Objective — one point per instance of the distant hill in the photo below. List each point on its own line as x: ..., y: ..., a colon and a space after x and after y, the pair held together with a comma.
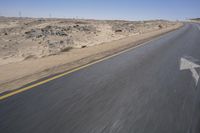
x: 198, y: 19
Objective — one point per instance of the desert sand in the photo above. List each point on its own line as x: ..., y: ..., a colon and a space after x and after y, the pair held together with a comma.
x: 31, y: 49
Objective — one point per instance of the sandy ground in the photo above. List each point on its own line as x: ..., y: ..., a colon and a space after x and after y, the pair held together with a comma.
x: 28, y: 60
x: 26, y: 38
x: 15, y: 75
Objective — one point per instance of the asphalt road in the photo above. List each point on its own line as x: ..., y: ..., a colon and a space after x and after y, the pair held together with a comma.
x: 140, y: 91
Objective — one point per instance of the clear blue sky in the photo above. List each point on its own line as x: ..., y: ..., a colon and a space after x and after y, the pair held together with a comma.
x: 103, y: 9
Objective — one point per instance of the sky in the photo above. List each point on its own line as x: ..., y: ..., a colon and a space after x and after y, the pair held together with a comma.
x: 102, y: 9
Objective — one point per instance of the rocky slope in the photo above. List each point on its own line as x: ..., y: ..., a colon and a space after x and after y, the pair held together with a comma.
x: 28, y: 38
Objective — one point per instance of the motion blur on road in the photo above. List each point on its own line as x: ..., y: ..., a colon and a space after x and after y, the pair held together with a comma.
x: 151, y: 88
x: 83, y: 75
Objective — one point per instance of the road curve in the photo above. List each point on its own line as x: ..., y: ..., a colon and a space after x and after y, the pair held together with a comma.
x: 140, y: 91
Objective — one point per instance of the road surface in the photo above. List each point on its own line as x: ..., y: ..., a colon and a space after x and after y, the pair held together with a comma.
x: 153, y: 88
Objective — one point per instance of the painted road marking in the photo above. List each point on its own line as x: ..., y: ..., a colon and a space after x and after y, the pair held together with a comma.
x: 74, y: 70
x: 188, y: 63
x: 198, y: 26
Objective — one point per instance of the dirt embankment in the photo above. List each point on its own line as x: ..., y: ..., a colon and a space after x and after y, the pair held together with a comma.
x: 23, y: 39
x: 31, y: 49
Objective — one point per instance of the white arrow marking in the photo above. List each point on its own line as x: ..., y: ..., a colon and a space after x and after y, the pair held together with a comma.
x: 188, y: 64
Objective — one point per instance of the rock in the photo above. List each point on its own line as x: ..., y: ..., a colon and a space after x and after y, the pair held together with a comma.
x: 61, y: 42
x: 50, y: 30
x: 75, y: 26
x: 83, y: 46
x: 38, y: 36
x: 66, y: 49
x: 61, y: 33
x: 118, y: 30
x: 85, y: 28
x: 160, y: 26
x: 34, y: 33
